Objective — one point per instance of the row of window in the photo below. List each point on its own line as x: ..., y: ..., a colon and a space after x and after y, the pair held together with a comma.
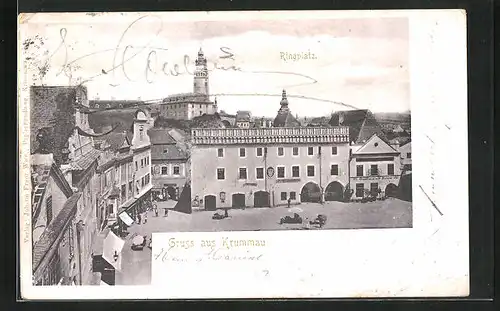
x: 144, y: 162
x: 176, y: 170
x: 126, y: 195
x: 260, y: 151
x: 281, y: 172
x: 360, y: 189
x: 374, y: 170
x: 175, y: 106
x: 293, y: 196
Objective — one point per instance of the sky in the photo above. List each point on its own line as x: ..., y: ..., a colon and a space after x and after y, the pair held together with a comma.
x: 355, y: 62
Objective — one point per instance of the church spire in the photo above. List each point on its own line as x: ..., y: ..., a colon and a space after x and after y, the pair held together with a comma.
x: 284, y: 101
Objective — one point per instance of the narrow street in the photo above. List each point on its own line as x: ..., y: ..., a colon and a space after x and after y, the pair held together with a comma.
x: 136, y: 265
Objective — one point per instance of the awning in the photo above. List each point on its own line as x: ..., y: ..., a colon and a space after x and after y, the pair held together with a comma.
x: 112, y: 249
x: 125, y: 217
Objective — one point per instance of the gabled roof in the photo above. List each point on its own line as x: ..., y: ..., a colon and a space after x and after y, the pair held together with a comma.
x: 160, y: 136
x: 116, y: 140
x: 83, y: 162
x: 167, y: 152
x: 362, y: 124
x: 375, y: 145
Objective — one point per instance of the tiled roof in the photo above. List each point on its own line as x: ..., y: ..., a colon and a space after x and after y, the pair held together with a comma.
x: 186, y: 97
x: 318, y: 121
x: 401, y: 141
x: 178, y: 134
x: 84, y: 161
x: 285, y: 119
x: 115, y: 140
x: 53, y: 232
x: 362, y: 124
x: 167, y: 152
x: 160, y: 136
x: 405, y: 143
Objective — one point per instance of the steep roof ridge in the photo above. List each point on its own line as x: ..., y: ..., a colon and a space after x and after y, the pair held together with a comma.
x: 361, y: 127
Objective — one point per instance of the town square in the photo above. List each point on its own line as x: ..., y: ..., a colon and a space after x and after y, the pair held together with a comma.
x: 107, y: 173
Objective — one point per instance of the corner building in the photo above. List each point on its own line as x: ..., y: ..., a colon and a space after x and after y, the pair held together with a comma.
x: 261, y: 167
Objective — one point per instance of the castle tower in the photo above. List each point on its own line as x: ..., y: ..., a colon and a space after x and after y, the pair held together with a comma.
x: 201, y: 75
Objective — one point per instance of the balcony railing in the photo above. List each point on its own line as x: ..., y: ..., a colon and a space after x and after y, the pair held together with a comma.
x: 205, y: 136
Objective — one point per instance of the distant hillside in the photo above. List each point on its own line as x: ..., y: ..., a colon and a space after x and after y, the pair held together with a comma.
x: 403, y: 117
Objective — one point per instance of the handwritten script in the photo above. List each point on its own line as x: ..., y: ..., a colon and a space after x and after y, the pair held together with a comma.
x: 189, y: 251
x: 154, y: 64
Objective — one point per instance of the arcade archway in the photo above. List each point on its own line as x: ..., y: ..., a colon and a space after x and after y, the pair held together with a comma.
x: 334, y: 191
x: 311, y: 192
x: 391, y: 190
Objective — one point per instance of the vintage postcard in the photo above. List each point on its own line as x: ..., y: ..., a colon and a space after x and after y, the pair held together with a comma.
x: 243, y: 155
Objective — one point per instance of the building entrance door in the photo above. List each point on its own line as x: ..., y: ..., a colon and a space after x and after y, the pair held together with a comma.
x: 238, y: 200
x: 210, y: 203
x: 171, y: 193
x: 261, y: 199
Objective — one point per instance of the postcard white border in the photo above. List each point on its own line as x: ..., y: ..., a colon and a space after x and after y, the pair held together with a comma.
x: 431, y: 259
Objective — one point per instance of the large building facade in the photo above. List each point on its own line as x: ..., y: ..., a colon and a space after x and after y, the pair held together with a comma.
x: 190, y: 105
x: 236, y: 168
x: 375, y: 169
x: 170, y: 164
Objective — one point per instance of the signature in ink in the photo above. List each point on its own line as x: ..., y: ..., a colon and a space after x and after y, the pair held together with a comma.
x: 124, y: 53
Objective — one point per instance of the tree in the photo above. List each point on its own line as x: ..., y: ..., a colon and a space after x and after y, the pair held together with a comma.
x: 348, y: 192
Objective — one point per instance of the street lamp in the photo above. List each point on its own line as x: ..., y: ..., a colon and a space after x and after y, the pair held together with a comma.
x: 115, y: 256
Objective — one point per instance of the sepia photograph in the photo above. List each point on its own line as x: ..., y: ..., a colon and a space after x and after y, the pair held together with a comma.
x: 141, y: 124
